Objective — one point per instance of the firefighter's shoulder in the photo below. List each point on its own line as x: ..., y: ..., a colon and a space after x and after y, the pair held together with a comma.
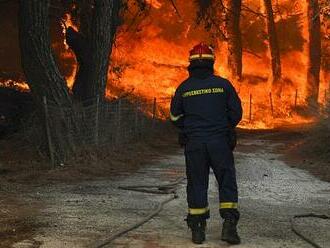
x: 224, y: 81
x: 225, y: 84
x: 221, y: 79
x: 183, y: 85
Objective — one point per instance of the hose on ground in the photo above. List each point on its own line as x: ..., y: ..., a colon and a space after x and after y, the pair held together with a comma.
x: 299, y: 234
x: 160, y: 189
x: 171, y: 189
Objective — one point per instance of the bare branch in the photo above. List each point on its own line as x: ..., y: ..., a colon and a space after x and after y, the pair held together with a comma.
x: 247, y: 9
x: 175, y: 8
x: 252, y: 53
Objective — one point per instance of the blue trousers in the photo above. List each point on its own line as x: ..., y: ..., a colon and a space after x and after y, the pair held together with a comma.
x: 200, y: 157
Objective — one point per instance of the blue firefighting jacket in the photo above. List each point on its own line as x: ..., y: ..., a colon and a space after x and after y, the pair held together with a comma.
x: 205, y: 108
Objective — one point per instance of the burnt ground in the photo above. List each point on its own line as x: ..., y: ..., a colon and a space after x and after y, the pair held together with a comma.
x: 75, y: 206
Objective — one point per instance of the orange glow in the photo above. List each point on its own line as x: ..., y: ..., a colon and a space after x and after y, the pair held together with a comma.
x: 153, y: 63
x: 68, y: 22
x: 154, y: 3
x: 20, y: 85
x: 150, y: 59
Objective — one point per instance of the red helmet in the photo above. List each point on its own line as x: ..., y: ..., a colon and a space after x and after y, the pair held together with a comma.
x: 202, y: 51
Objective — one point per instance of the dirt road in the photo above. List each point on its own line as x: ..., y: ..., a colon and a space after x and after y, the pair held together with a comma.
x: 271, y: 193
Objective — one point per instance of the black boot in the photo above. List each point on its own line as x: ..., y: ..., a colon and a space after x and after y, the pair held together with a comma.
x: 197, y: 227
x: 229, y: 232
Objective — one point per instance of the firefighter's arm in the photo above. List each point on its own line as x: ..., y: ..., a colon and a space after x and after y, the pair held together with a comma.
x: 234, y: 107
x: 176, y: 111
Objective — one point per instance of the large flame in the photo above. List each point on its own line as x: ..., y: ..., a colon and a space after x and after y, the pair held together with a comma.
x: 150, y: 57
x: 15, y: 84
x: 152, y: 61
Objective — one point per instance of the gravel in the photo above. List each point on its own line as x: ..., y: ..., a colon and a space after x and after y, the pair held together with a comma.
x: 77, y: 215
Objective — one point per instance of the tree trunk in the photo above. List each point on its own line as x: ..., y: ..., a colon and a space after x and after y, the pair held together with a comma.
x: 42, y: 74
x: 41, y: 71
x: 80, y: 46
x: 314, y: 53
x: 273, y: 45
x: 234, y: 38
x: 92, y: 47
x: 79, y: 43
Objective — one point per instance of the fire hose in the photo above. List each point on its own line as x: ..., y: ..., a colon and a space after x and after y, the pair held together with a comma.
x: 164, y: 189
x: 170, y: 188
x: 299, y: 234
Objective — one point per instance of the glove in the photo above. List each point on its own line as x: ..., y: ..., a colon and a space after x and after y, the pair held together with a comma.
x: 232, y: 138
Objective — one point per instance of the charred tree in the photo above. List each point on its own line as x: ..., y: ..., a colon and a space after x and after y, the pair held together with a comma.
x: 314, y: 53
x: 273, y: 44
x: 234, y: 38
x: 79, y: 45
x: 41, y: 71
x: 92, y: 46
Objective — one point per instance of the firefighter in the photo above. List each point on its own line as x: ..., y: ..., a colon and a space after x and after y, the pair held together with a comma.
x: 206, y: 109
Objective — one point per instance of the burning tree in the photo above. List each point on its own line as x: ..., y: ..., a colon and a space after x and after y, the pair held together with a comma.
x: 151, y: 49
x: 273, y: 43
x: 214, y: 14
x: 41, y: 71
x: 234, y: 38
x: 92, y: 47
x: 314, y: 53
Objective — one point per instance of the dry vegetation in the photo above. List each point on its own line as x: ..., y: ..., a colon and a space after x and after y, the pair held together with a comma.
x: 313, y: 151
x: 32, y: 166
x: 23, y: 165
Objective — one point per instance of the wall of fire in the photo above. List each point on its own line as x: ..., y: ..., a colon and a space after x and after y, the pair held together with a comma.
x: 151, y: 51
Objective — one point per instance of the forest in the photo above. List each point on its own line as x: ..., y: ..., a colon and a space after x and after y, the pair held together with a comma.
x: 73, y: 54
x: 75, y: 60
x: 88, y: 156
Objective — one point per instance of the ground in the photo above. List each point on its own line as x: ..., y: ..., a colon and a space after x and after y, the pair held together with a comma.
x: 83, y: 213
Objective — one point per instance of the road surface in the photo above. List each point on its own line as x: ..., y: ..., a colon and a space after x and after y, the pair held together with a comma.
x: 271, y: 192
